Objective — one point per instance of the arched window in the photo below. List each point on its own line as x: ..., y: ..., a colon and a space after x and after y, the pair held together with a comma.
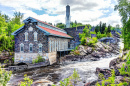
x: 26, y: 36
x: 40, y: 48
x: 21, y: 47
x: 35, y: 36
x: 31, y: 47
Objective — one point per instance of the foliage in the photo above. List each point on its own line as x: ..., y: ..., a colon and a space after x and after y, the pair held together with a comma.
x: 92, y: 42
x: 60, y: 25
x: 83, y: 41
x: 27, y: 81
x: 99, y: 35
x: 124, y: 8
x: 4, y: 77
x: 76, y: 48
x: 125, y: 69
x: 92, y: 32
x: 38, y: 59
x: 76, y: 52
x: 70, y: 81
x: 6, y: 43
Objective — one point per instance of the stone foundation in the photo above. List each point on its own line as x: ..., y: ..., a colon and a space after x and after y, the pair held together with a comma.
x: 52, y: 57
x: 28, y: 57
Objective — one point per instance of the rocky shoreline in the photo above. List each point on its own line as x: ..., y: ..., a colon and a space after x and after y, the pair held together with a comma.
x: 87, y: 53
x: 115, y: 65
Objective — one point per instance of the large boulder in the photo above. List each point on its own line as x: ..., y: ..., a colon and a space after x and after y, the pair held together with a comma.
x: 89, y: 50
x: 82, y: 50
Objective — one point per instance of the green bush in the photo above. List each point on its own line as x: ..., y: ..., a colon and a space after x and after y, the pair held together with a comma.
x: 83, y: 41
x: 76, y: 52
x: 99, y: 35
x: 4, y: 77
x: 6, y: 43
x: 38, y: 59
x: 27, y: 81
x: 92, y: 42
x: 71, y: 81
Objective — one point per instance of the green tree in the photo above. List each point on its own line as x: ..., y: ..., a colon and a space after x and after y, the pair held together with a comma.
x: 97, y: 29
x: 124, y: 10
x: 17, y: 18
x: 60, y: 25
x: 109, y: 28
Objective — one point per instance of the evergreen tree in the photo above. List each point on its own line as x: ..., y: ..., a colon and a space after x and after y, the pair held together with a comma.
x: 109, y: 28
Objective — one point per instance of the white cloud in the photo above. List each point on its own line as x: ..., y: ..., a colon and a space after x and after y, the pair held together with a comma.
x: 84, y: 11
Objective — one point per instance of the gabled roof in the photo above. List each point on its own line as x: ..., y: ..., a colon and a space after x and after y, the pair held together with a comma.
x: 37, y: 20
x: 48, y: 31
x: 53, y: 32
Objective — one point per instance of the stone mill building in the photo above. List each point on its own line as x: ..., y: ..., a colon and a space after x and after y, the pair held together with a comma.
x: 39, y: 38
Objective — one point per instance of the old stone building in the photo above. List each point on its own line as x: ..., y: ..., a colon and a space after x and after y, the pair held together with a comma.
x: 74, y: 32
x: 39, y: 38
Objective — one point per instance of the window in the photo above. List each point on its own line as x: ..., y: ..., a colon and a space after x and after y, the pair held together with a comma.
x: 31, y: 47
x: 30, y: 28
x: 26, y: 36
x: 21, y: 47
x: 35, y: 36
x: 40, y: 47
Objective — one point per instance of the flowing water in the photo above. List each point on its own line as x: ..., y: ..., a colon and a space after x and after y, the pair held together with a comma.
x: 86, y: 70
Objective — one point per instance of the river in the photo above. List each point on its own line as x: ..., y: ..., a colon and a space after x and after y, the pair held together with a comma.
x: 86, y: 70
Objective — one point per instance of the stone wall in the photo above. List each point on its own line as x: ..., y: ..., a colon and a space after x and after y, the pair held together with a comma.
x: 41, y: 38
x: 52, y: 57
x: 28, y: 57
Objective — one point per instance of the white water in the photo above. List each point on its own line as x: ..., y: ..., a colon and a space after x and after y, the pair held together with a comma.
x: 86, y: 70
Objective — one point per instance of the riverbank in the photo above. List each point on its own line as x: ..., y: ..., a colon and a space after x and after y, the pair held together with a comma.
x: 53, y: 74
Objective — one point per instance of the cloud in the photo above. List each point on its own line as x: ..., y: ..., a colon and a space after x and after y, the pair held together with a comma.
x: 84, y: 11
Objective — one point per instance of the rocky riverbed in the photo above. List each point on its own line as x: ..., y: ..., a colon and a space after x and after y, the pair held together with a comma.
x: 53, y: 74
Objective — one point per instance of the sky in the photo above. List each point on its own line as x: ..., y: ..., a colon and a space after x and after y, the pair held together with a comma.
x: 84, y: 11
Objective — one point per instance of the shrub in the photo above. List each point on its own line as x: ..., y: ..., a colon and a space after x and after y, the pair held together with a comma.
x: 71, y: 81
x: 38, y: 59
x: 27, y: 81
x: 83, y: 41
x: 6, y: 43
x: 76, y: 52
x: 4, y: 77
x: 92, y: 42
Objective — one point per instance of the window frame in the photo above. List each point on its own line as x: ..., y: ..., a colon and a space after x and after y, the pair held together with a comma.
x: 40, y: 45
x: 21, y: 45
x: 30, y: 46
x: 35, y: 36
x: 26, y: 35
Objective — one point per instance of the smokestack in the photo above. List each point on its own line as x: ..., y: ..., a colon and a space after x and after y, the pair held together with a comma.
x: 67, y: 16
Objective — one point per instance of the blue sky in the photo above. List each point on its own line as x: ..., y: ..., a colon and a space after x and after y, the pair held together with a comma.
x: 84, y: 11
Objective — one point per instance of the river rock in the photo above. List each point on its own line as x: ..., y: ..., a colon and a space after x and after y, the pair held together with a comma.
x: 118, y: 79
x: 105, y: 72
x: 89, y: 50
x: 96, y: 54
x: 42, y: 82
x: 112, y: 64
x: 82, y: 50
